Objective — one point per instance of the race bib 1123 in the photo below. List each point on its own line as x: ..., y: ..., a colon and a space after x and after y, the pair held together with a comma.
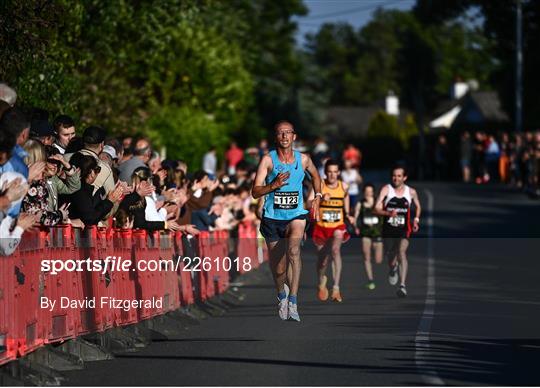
x: 285, y: 199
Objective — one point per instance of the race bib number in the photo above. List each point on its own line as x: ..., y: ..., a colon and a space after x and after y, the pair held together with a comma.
x: 397, y: 221
x: 371, y: 221
x: 331, y: 215
x: 285, y: 199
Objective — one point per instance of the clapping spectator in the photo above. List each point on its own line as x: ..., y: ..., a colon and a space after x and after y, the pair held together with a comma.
x: 15, y: 125
x: 86, y: 205
x: 41, y: 197
x: 94, y: 141
x: 141, y: 206
x: 13, y: 188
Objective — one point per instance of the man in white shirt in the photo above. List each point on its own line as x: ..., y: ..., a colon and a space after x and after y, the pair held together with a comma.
x: 210, y: 163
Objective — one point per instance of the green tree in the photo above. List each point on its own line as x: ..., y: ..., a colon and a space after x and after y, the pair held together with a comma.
x: 36, y: 58
x: 119, y: 63
x: 268, y: 44
x: 334, y: 49
x: 496, y: 20
x: 190, y: 133
x: 395, y: 51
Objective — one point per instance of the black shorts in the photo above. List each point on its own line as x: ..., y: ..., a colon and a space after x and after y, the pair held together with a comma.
x: 374, y: 239
x: 396, y: 233
x: 272, y: 230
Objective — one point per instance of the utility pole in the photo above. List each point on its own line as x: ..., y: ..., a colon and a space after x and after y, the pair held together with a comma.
x: 519, y: 68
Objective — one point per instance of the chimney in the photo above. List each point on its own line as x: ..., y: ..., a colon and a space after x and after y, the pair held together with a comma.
x: 459, y: 89
x: 392, y: 104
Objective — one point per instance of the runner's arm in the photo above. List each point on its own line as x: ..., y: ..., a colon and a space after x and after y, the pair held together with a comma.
x: 310, y: 198
x: 357, y: 210
x: 317, y: 186
x: 346, y: 201
x: 259, y: 189
x: 378, y: 210
x: 416, y: 201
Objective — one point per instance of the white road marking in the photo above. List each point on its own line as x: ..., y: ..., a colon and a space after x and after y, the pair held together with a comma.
x: 421, y: 340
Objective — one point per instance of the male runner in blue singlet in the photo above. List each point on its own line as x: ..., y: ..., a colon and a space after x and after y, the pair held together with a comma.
x: 279, y: 178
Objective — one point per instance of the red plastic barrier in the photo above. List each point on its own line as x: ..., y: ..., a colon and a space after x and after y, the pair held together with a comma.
x: 184, y: 276
x: 221, y: 253
x: 171, y: 294
x: 95, y: 285
x: 64, y: 321
x: 149, y: 283
x: 24, y: 325
x: 8, y: 336
x: 122, y: 246
x: 31, y: 321
x: 247, y: 245
x: 206, y: 283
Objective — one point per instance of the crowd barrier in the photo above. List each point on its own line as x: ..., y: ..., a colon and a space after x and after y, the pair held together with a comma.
x: 25, y: 325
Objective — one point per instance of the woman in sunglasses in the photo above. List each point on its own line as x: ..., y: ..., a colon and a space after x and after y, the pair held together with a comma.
x: 46, y: 184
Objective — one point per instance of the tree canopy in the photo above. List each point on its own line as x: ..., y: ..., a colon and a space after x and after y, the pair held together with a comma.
x: 231, y: 68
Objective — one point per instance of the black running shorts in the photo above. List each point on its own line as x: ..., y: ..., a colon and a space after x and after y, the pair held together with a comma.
x: 272, y: 230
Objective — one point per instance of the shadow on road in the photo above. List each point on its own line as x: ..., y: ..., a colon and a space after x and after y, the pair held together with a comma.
x: 471, y: 361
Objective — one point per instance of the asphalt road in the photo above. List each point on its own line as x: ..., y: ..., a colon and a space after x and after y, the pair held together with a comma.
x: 471, y: 317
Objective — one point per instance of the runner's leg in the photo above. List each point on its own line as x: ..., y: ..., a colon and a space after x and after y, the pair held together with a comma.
x: 322, y: 261
x: 337, y: 240
x: 366, y: 249
x: 403, y: 262
x: 295, y: 234
x: 391, y: 246
x: 278, y: 263
x: 322, y: 264
x: 378, y: 247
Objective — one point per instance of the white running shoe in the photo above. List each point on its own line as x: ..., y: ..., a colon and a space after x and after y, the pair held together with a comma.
x: 393, y: 275
x: 293, y: 312
x: 402, y: 291
x: 283, y: 306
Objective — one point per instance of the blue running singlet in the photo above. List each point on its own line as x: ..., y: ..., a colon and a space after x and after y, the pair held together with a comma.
x: 287, y: 202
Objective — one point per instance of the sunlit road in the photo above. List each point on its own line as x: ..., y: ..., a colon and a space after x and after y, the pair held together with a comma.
x: 471, y: 317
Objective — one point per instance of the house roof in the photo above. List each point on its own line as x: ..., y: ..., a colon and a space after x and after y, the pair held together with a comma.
x: 472, y: 109
x: 351, y: 120
x: 489, y: 105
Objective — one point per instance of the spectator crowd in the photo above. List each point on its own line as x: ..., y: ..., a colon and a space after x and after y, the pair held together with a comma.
x: 50, y: 175
x: 508, y: 158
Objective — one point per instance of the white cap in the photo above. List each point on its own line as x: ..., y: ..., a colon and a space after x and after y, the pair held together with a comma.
x: 110, y: 150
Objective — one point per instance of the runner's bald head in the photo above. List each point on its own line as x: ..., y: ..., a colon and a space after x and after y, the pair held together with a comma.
x: 283, y: 123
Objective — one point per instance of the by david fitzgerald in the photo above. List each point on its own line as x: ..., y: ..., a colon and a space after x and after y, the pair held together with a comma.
x: 103, y: 302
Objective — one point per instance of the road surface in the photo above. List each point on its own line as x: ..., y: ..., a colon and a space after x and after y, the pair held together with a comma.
x: 470, y: 318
